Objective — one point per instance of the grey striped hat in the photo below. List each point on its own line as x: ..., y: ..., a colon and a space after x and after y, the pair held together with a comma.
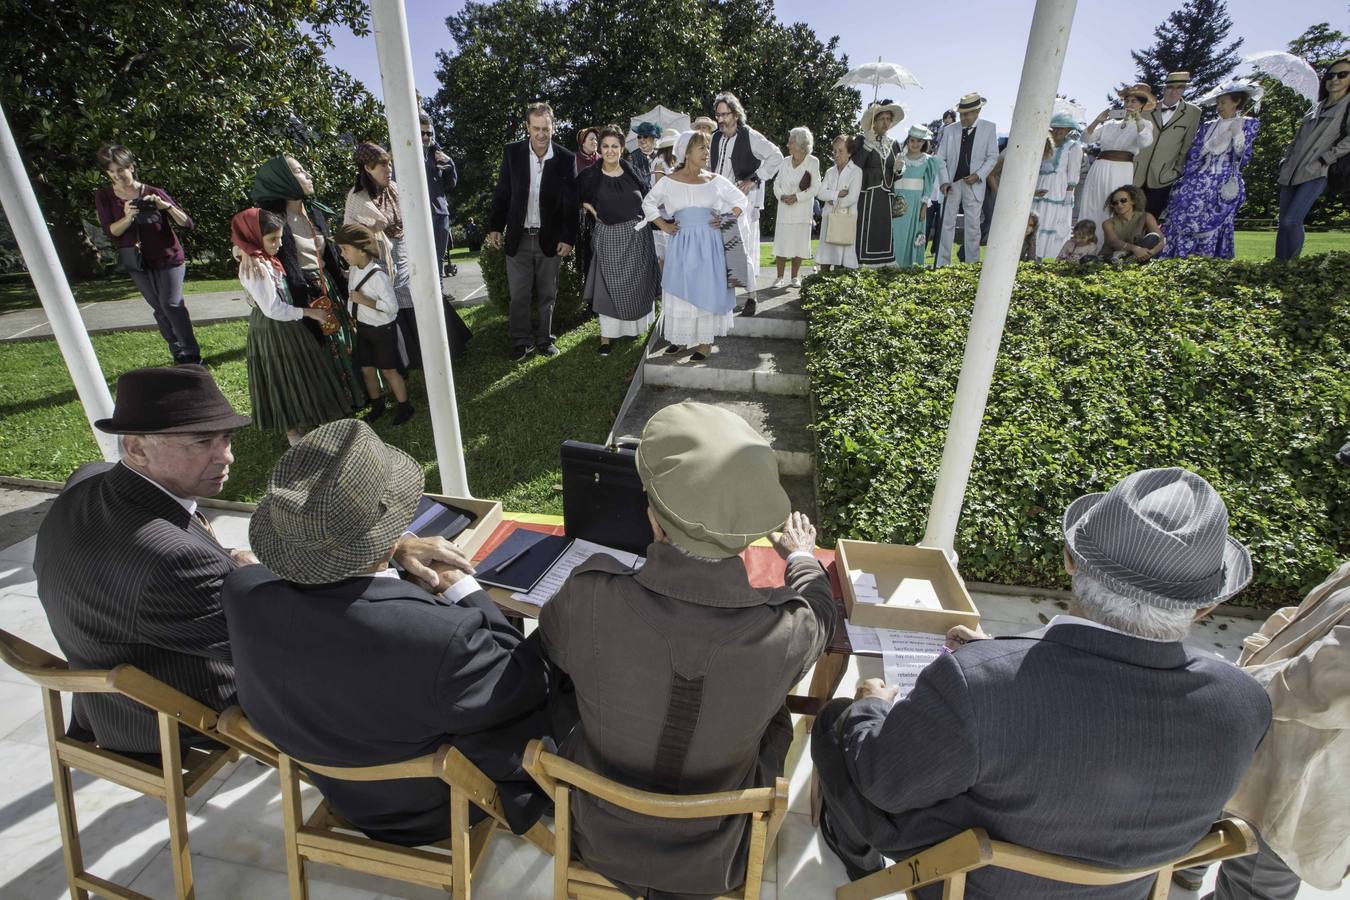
x: 1159, y: 536
x: 336, y: 503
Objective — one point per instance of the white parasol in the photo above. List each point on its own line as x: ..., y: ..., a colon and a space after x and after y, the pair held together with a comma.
x: 878, y: 73
x: 661, y: 116
x: 1292, y: 71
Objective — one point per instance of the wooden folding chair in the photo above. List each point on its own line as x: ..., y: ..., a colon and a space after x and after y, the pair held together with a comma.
x: 949, y: 862
x: 767, y: 808
x: 182, y: 773
x: 325, y: 837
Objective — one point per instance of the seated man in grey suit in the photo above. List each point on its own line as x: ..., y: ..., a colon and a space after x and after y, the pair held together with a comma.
x: 1101, y: 737
x: 342, y: 663
x: 128, y: 569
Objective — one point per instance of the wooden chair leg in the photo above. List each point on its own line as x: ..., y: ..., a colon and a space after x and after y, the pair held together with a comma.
x: 754, y: 870
x: 460, y: 857
x: 55, y: 718
x: 175, y: 804
x: 825, y: 679
x: 1162, y: 885
x: 293, y: 817
x: 562, y: 840
x: 955, y: 887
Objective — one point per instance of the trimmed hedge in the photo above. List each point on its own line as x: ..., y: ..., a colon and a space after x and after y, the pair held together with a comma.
x: 569, y: 310
x: 1239, y: 371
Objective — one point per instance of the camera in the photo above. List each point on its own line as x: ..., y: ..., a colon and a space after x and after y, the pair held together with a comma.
x: 146, y: 211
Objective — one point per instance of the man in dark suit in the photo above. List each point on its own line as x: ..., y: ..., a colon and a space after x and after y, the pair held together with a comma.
x: 129, y: 570
x: 1101, y: 737
x: 535, y: 203
x: 339, y: 665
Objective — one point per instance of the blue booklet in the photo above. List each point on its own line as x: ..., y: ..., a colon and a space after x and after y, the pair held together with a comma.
x: 521, y: 560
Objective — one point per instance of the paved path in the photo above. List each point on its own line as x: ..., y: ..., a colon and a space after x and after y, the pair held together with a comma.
x: 206, y: 308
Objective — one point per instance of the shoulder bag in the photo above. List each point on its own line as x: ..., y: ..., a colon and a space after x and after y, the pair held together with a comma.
x: 1338, y: 173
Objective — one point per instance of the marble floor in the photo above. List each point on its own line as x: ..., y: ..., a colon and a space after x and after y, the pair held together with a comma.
x: 235, y: 820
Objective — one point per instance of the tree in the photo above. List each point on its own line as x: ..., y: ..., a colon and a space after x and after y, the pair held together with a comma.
x: 1191, y: 39
x: 1281, y: 111
x: 202, y: 91
x: 600, y: 61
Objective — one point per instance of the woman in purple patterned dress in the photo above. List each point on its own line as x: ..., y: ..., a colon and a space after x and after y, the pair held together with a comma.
x: 1206, y: 198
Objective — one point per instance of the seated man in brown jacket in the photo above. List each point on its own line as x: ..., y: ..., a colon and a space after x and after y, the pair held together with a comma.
x: 681, y: 669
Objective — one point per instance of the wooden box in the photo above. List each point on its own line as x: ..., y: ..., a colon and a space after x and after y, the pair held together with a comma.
x: 489, y: 517
x: 903, y: 571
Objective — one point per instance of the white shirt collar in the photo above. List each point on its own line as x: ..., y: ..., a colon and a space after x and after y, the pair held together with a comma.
x: 1063, y: 619
x: 189, y: 504
x: 548, y: 154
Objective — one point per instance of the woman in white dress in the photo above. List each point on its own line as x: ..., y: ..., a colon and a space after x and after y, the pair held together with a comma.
x: 706, y: 252
x: 795, y: 186
x: 1056, y: 187
x: 839, y: 192
x: 1121, y: 133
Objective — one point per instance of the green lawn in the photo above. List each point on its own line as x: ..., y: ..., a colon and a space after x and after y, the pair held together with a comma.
x: 513, y: 417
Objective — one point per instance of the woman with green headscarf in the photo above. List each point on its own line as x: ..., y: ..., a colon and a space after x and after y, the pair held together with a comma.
x: 312, y: 265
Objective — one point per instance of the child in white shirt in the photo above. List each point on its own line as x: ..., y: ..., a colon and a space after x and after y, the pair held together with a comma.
x: 375, y: 309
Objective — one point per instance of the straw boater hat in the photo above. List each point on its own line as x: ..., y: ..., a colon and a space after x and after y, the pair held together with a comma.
x: 335, y: 505
x: 1160, y: 537
x: 668, y: 138
x: 711, y: 480
x: 1142, y: 91
x: 705, y: 122
x: 921, y: 132
x: 970, y: 101
x: 175, y: 400
x: 895, y: 109
x: 1177, y: 79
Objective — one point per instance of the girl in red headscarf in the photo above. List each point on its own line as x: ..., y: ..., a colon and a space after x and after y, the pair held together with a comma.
x: 291, y: 383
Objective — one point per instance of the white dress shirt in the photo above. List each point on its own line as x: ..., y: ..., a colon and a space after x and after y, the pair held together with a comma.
x: 188, y: 503
x: 453, y: 594
x: 532, y: 219
x: 377, y: 287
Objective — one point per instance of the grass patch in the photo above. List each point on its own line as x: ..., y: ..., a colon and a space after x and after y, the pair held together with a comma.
x: 512, y: 417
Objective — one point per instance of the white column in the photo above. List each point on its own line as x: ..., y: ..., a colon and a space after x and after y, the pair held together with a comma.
x: 39, y: 254
x: 1041, y: 69
x: 390, y: 23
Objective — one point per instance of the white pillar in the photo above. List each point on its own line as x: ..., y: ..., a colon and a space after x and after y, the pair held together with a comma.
x: 1041, y: 69
x: 390, y: 23
x: 39, y: 254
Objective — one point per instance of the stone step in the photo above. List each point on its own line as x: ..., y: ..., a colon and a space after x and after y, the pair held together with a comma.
x: 784, y: 422
x: 739, y: 364
x: 778, y: 315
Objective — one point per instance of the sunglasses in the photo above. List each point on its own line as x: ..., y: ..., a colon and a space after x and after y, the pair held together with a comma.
x: 427, y: 133
x: 1121, y: 201
x: 1342, y: 74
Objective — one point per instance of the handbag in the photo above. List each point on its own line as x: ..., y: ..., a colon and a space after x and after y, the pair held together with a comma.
x: 841, y: 226
x: 899, y: 206
x: 1338, y: 173
x: 603, y: 498
x: 130, y: 258
x: 1228, y: 191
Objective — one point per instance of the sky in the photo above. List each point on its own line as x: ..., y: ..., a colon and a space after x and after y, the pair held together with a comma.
x: 950, y: 52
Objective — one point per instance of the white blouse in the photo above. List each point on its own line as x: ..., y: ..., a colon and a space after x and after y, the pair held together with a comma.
x: 716, y: 193
x: 787, y: 183
x: 1122, y: 134
x: 850, y: 179
x: 265, y: 290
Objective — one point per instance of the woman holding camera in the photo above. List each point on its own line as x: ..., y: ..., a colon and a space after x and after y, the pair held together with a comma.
x: 1121, y: 133
x: 139, y: 218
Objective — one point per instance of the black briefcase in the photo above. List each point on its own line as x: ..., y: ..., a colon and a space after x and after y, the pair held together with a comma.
x: 603, y: 499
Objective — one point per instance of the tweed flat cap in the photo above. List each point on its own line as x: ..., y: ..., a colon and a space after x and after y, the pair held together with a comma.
x: 336, y: 503
x: 1159, y: 536
x: 711, y: 480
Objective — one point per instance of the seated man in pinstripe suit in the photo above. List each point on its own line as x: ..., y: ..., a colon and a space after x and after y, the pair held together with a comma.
x: 128, y: 569
x: 1101, y: 737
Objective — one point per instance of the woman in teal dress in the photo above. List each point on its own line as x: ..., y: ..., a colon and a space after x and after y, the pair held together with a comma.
x: 922, y: 172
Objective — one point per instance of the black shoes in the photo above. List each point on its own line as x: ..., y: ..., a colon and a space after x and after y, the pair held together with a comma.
x: 605, y: 348
x: 548, y: 349
x: 749, y: 309
x: 697, y: 357
x: 403, y: 412
x: 673, y: 349
x: 376, y: 409
x: 519, y: 353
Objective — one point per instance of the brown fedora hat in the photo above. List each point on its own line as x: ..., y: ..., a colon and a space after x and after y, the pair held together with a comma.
x: 168, y: 400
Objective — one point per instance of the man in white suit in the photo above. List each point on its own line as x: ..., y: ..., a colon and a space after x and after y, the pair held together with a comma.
x: 969, y: 149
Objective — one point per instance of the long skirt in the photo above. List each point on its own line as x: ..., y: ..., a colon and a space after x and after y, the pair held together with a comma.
x: 792, y: 240
x: 623, y: 279
x: 341, y: 344
x: 1055, y: 215
x: 291, y: 382
x: 1199, y: 221
x: 698, y: 295
x: 907, y: 232
x: 874, y: 228
x: 1104, y: 177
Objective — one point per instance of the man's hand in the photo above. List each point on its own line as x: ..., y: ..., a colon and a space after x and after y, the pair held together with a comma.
x: 947, y: 186
x: 434, y: 563
x: 875, y: 687
x: 564, y: 250
x: 798, y: 534
x: 972, y: 178
x: 746, y: 186
x: 960, y: 635
x: 442, y: 158
x: 243, y: 557
x: 494, y: 239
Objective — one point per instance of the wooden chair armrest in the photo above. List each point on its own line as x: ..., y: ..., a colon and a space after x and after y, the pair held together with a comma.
x: 1228, y: 838
x: 428, y: 766
x: 533, y: 764
x: 961, y: 853
x: 151, y: 692
x: 234, y: 729
x: 28, y: 659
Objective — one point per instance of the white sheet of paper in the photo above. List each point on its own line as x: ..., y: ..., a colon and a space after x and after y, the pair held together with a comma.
x: 864, y: 640
x: 578, y: 553
x: 904, y: 654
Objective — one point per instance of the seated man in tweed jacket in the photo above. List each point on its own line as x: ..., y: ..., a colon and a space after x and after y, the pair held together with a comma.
x: 128, y: 569
x: 1101, y: 737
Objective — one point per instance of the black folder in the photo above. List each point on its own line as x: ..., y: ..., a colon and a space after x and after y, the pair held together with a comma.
x: 521, y: 560
x: 438, y: 518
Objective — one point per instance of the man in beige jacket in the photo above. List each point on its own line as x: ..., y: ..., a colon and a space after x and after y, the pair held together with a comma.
x: 1175, y: 122
x: 1296, y: 793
